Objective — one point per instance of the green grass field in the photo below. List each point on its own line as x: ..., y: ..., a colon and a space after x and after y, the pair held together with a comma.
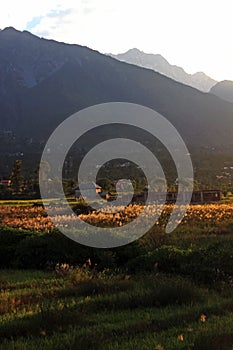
x: 84, y: 310
x: 31, y: 202
x: 163, y: 292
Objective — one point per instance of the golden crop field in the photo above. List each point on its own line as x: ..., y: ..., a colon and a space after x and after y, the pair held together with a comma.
x: 36, y: 218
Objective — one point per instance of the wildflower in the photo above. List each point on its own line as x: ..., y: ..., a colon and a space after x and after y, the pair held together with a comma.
x: 127, y: 277
x: 181, y: 337
x: 203, y: 318
x: 159, y: 347
x: 88, y: 262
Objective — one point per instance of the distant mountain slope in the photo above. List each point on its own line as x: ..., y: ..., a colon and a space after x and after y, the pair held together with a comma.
x: 43, y: 81
x: 223, y: 89
x: 158, y: 63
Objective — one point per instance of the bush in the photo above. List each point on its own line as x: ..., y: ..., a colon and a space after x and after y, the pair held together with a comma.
x: 9, y: 239
x: 206, y: 265
x: 23, y: 249
x: 82, y: 208
x: 166, y: 258
x: 37, y: 250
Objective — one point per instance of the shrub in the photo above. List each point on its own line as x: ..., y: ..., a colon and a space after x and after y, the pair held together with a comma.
x: 37, y: 250
x: 82, y: 208
x: 206, y: 265
x: 9, y: 239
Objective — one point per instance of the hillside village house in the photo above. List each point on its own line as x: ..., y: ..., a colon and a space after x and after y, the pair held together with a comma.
x: 88, y: 188
x: 5, y: 183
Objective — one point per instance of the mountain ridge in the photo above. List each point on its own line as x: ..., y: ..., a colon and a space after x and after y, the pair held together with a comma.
x: 158, y: 63
x: 42, y: 82
x: 224, y: 90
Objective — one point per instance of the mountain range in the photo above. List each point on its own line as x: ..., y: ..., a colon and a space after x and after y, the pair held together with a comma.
x: 223, y: 89
x: 42, y: 82
x: 159, y: 64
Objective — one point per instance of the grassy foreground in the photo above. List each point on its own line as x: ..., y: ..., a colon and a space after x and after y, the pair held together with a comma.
x: 84, y: 309
x: 162, y: 292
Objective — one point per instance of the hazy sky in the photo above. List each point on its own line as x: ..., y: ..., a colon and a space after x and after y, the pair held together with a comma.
x: 195, y: 34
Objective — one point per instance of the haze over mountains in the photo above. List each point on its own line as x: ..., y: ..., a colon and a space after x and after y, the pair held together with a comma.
x: 223, y: 89
x: 42, y: 82
x: 159, y: 64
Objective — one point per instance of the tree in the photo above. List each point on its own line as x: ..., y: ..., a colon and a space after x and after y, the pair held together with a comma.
x: 69, y: 186
x: 44, y: 176
x: 105, y: 183
x: 35, y: 180
x: 158, y: 184
x: 17, y: 180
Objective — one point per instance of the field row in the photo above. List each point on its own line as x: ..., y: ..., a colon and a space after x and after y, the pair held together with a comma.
x: 36, y: 218
x: 83, y: 310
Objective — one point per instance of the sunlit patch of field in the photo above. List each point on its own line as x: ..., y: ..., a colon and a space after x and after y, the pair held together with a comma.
x: 165, y: 292
x: 35, y: 217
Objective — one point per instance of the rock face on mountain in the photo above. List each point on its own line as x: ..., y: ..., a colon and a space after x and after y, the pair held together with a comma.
x: 159, y: 64
x: 42, y: 82
x: 224, y: 90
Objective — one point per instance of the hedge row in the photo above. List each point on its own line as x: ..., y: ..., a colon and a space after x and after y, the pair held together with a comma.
x: 206, y: 265
x: 21, y: 249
